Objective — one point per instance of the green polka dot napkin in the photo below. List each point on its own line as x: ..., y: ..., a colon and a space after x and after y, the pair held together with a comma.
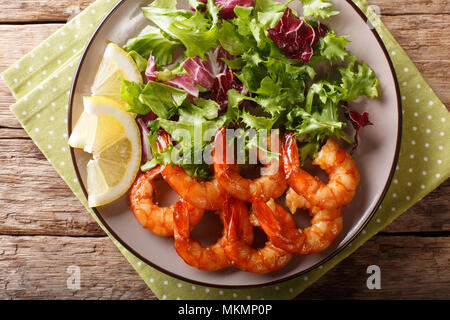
x: 41, y: 82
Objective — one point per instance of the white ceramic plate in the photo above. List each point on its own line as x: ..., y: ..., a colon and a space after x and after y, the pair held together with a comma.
x: 376, y: 156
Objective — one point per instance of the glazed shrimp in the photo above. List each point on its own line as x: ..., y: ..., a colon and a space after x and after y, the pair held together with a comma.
x: 159, y: 220
x: 211, y: 258
x: 338, y: 163
x: 326, y: 225
x: 207, y: 195
x: 264, y: 260
x: 271, y: 184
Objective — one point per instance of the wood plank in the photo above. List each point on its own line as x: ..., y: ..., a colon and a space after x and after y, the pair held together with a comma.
x: 431, y: 214
x: 41, y: 10
x: 17, y: 41
x: 62, y: 10
x: 423, y: 37
x: 411, y: 7
x: 7, y: 133
x: 411, y: 268
x: 36, y: 268
x: 36, y: 201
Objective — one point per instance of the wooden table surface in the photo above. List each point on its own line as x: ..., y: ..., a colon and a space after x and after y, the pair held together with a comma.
x: 44, y: 229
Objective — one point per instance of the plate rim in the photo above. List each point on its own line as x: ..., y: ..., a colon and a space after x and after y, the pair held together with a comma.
x: 271, y: 282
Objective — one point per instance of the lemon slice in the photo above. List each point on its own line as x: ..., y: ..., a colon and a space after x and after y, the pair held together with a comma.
x: 107, y: 132
x: 116, y: 64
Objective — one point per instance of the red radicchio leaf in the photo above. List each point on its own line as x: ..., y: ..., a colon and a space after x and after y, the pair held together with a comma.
x: 150, y: 72
x: 214, y: 75
x: 222, y: 84
x: 146, y: 148
x: 204, y: 72
x: 150, y: 117
x: 358, y: 121
x: 227, y: 11
x: 200, y: 7
x: 182, y: 81
x: 186, y: 83
x: 320, y: 30
x: 295, y: 36
x: 198, y: 70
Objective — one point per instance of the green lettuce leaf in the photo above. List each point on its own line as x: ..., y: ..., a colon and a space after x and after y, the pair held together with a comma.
x: 230, y: 39
x: 326, y: 93
x: 234, y: 64
x: 256, y: 122
x: 269, y: 12
x: 141, y: 62
x: 199, y: 171
x: 190, y: 138
x: 318, y: 119
x: 195, y: 34
x: 242, y: 20
x: 164, y: 12
x: 249, y: 27
x: 268, y: 87
x: 193, y: 133
x: 199, y: 112
x: 162, y: 99
x: 213, y: 11
x: 129, y: 93
x: 270, y: 6
x: 151, y: 40
x: 333, y: 47
x: 270, y: 105
x: 313, y: 124
x: 318, y: 9
x: 309, y: 150
x: 358, y: 80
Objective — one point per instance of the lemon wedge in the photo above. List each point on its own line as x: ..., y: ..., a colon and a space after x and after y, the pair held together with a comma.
x: 116, y: 64
x: 112, y: 137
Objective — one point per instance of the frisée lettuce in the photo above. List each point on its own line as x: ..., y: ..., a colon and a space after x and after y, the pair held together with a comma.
x: 250, y: 64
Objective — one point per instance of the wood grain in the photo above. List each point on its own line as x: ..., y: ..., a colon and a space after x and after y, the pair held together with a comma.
x: 36, y: 268
x: 41, y: 10
x: 411, y: 268
x: 17, y: 40
x: 411, y: 7
x: 35, y: 200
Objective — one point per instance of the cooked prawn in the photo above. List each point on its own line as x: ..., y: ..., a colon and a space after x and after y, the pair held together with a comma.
x: 158, y: 220
x: 338, y: 163
x: 207, y: 195
x: 326, y: 225
x: 263, y: 260
x: 192, y: 252
x: 271, y: 184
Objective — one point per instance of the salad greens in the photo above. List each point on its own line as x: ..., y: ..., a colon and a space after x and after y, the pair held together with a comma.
x: 250, y: 64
